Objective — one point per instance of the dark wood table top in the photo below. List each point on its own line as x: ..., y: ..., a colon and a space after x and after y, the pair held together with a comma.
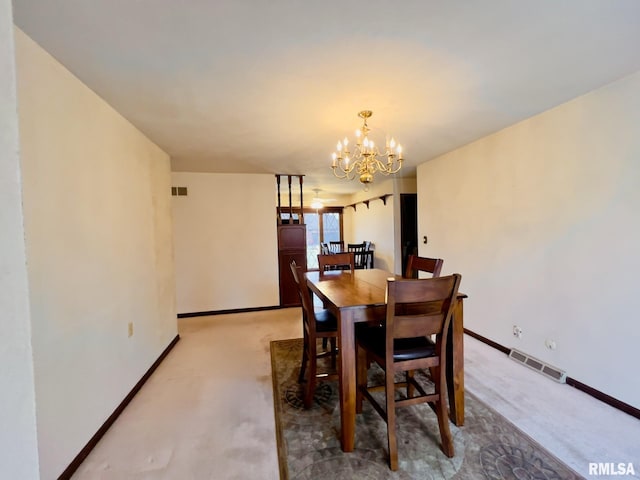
x: 346, y: 289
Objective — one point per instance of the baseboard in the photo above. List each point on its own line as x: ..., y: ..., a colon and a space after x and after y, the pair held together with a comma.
x: 491, y: 343
x: 73, y: 466
x: 233, y: 310
x: 603, y: 397
x: 597, y: 394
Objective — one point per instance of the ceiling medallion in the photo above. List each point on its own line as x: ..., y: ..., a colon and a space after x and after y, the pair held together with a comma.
x: 366, y: 159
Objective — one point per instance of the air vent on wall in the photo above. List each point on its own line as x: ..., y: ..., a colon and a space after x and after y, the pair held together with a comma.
x: 552, y: 372
x: 179, y: 191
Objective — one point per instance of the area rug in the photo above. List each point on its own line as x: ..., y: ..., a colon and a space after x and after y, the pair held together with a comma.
x: 486, y: 447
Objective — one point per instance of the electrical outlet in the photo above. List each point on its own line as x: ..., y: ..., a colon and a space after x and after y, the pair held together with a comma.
x: 130, y: 329
x: 517, y: 331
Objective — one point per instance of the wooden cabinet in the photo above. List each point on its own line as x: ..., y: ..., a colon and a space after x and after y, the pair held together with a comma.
x: 292, y: 245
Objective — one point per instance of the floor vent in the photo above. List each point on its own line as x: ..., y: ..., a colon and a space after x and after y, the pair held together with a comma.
x: 552, y: 372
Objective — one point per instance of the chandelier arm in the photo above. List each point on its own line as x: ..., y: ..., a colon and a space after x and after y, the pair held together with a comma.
x: 339, y: 176
x: 381, y: 167
x: 348, y: 174
x: 346, y: 168
x: 396, y: 170
x: 386, y: 168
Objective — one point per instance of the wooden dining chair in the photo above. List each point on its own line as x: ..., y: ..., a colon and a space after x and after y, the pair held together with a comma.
x: 355, y: 247
x: 316, y: 324
x: 336, y: 247
x: 336, y: 261
x: 324, y: 249
x: 363, y: 259
x: 403, y: 344
x: 358, y: 250
x: 417, y: 264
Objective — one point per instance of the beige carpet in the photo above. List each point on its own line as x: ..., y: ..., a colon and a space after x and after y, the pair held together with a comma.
x: 207, y: 411
x: 487, y: 446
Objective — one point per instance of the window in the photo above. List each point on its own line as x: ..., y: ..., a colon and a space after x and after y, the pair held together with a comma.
x: 323, y: 226
x: 312, y: 220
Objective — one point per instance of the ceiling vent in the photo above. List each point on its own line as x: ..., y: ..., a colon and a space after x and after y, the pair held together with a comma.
x: 539, y: 366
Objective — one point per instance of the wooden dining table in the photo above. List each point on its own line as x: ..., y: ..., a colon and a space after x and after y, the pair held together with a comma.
x: 359, y: 296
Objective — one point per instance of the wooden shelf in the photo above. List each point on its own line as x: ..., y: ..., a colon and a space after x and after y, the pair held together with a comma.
x: 366, y: 202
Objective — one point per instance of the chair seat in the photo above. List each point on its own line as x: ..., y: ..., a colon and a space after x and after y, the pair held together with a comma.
x: 325, y: 321
x: 373, y: 338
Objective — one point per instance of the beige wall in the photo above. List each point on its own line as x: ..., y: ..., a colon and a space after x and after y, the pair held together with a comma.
x: 379, y: 223
x: 542, y: 221
x: 99, y: 249
x: 225, y: 242
x: 18, y: 441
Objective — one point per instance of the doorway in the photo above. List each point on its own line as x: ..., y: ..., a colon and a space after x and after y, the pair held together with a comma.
x: 408, y: 226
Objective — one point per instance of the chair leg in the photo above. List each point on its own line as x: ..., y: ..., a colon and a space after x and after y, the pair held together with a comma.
x: 391, y: 419
x: 443, y: 419
x: 332, y: 341
x: 305, y: 358
x: 410, y: 387
x: 362, y: 365
x: 310, y: 386
x: 445, y: 432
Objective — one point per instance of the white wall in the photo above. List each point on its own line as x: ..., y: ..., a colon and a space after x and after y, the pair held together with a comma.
x: 542, y: 220
x: 99, y: 249
x: 226, y: 246
x: 327, y: 199
x: 379, y: 223
x: 18, y: 441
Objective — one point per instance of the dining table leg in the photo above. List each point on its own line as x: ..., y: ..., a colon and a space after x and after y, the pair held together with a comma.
x: 347, y: 376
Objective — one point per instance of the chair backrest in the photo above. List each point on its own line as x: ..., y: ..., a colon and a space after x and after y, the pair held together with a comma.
x: 420, y: 308
x: 355, y: 247
x: 363, y: 259
x: 308, y: 312
x: 336, y: 261
x: 336, y: 247
x: 423, y: 264
x: 324, y: 249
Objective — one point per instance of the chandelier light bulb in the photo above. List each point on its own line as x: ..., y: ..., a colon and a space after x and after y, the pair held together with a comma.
x: 392, y: 143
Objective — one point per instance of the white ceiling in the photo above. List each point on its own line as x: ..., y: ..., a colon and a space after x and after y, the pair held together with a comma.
x: 270, y: 86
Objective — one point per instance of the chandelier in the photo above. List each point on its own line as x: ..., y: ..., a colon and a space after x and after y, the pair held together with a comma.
x: 366, y: 160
